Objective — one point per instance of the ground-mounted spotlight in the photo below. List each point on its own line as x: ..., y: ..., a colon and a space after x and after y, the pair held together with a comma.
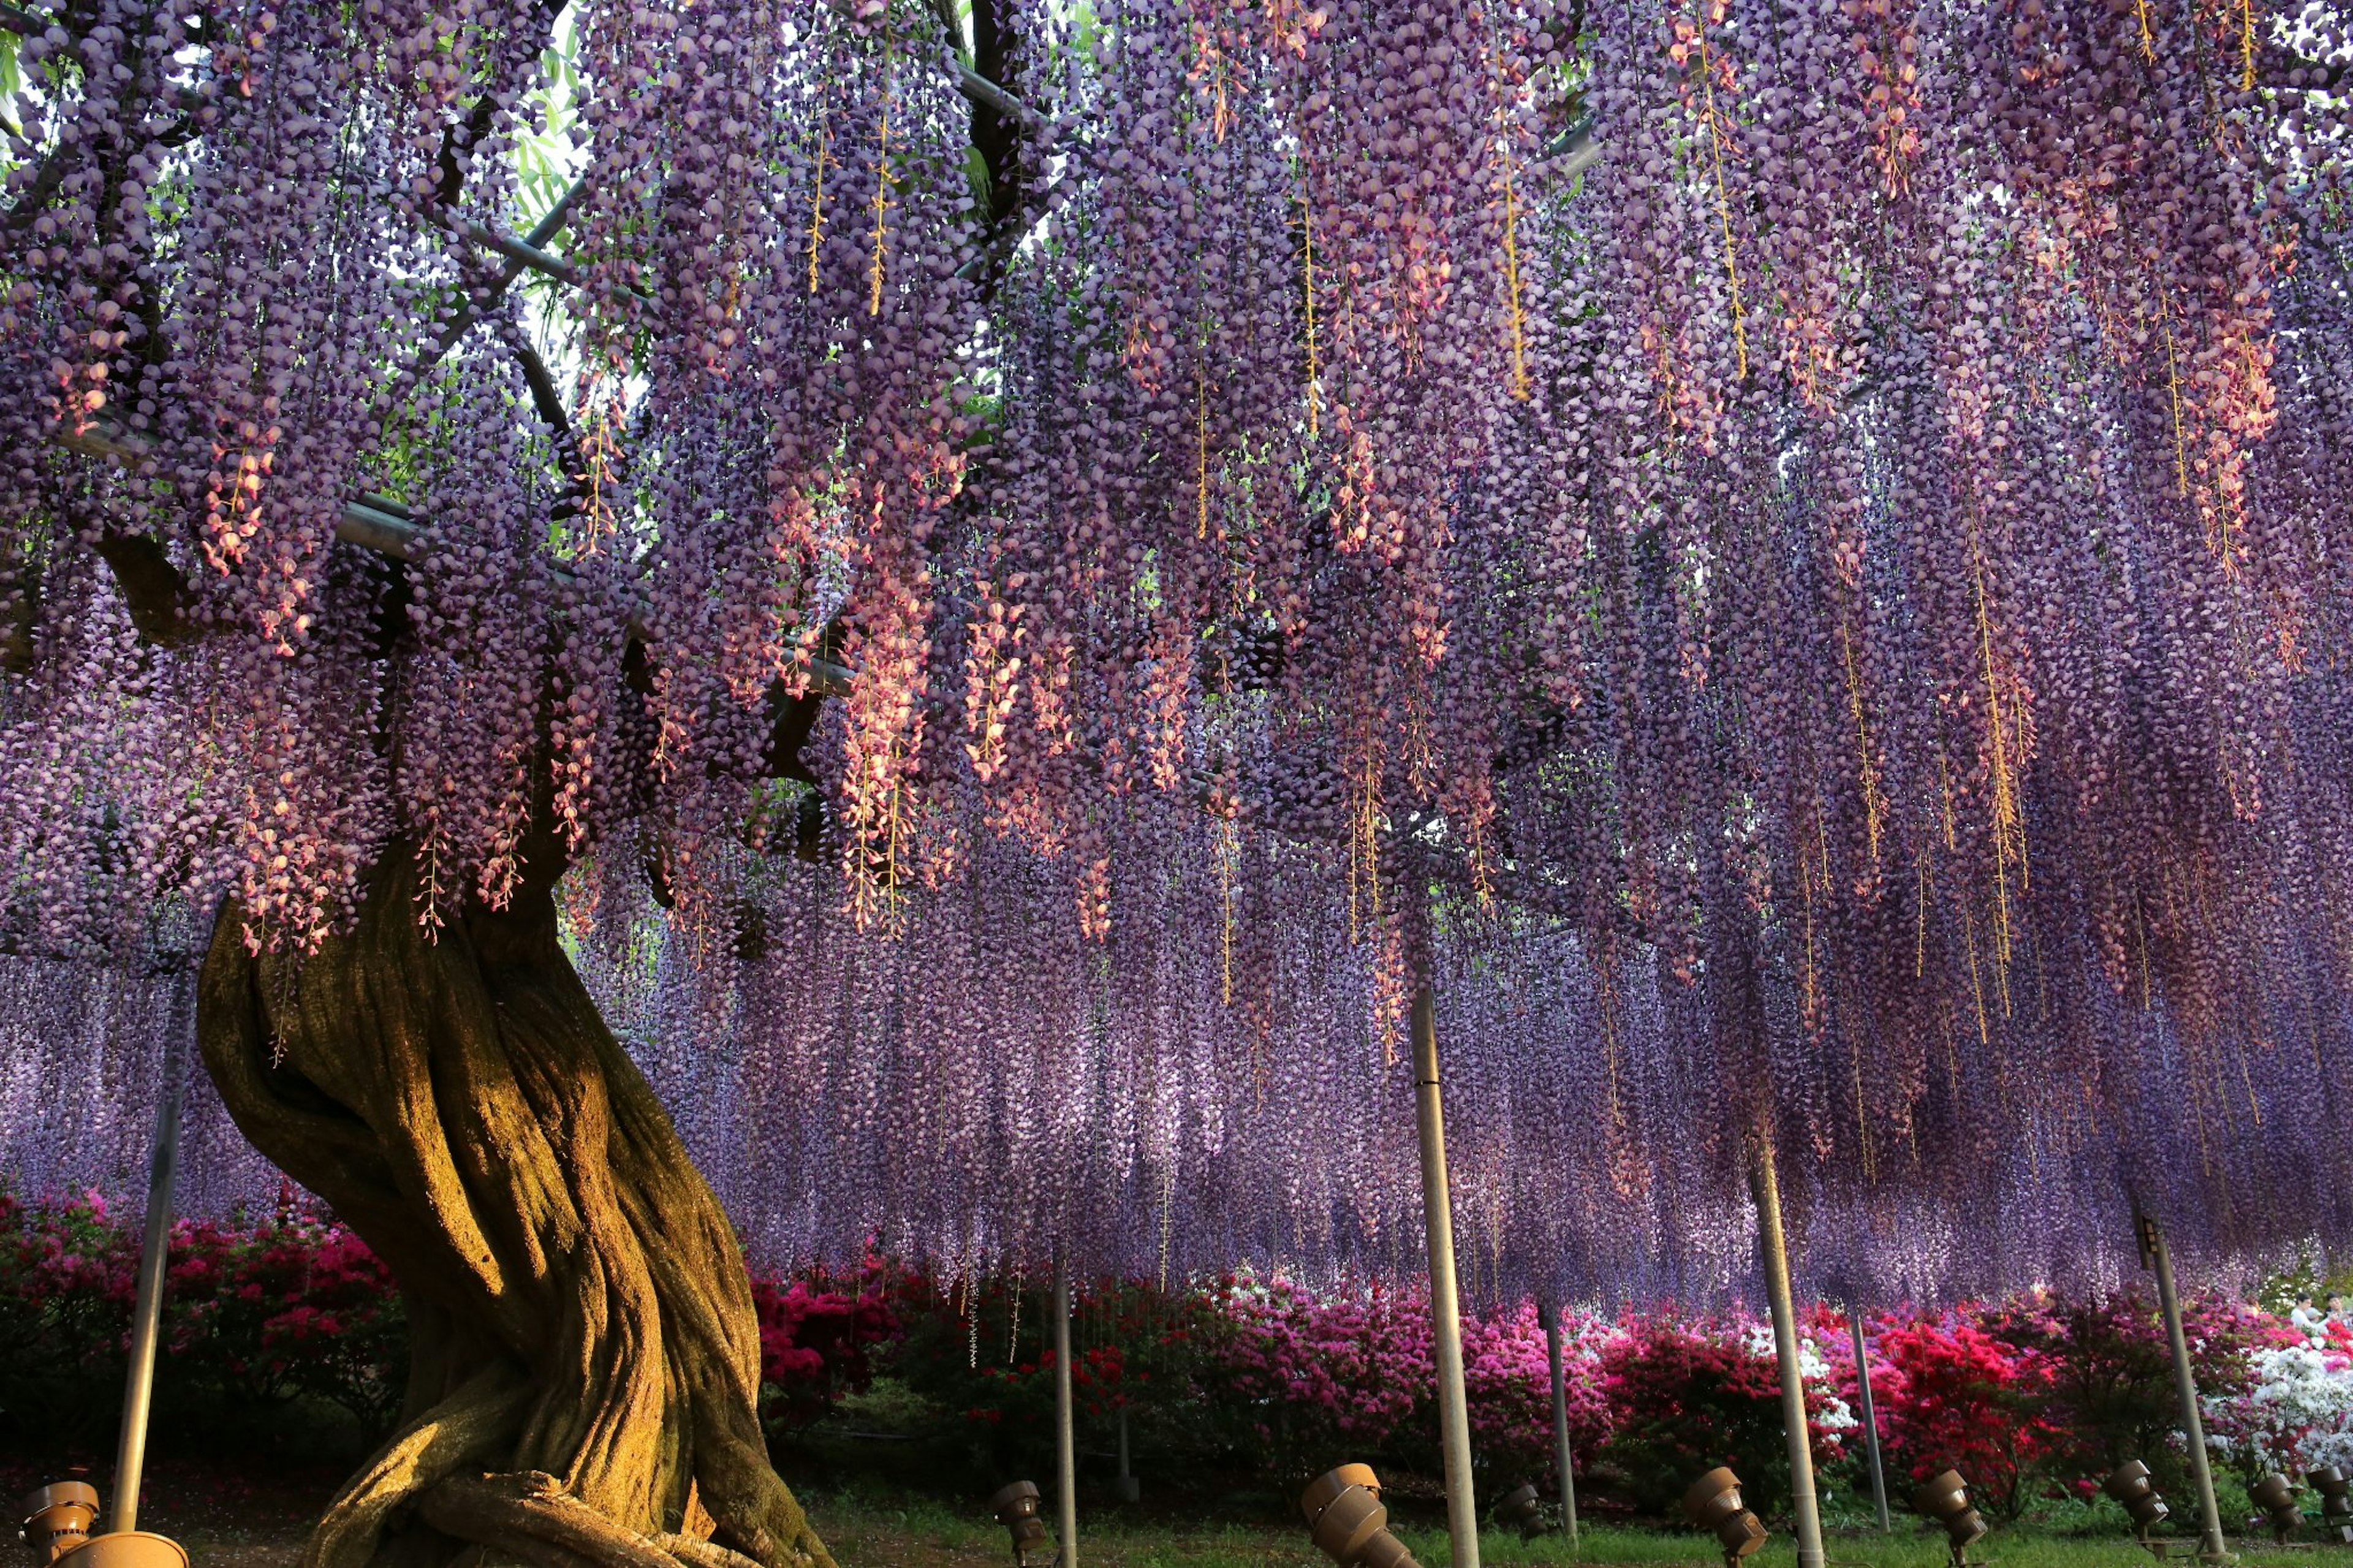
x: 56, y: 1523
x: 1713, y: 1502
x: 1347, y: 1522
x: 58, y: 1518
x: 1016, y: 1507
x: 2275, y: 1495
x: 1944, y: 1498
x: 1521, y: 1510
x: 2335, y: 1501
x: 2131, y: 1486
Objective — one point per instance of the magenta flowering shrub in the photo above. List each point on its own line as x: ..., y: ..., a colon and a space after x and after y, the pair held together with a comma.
x: 2108, y: 1384
x: 1317, y: 1381
x: 256, y: 1317
x: 1508, y: 1384
x: 1687, y: 1395
x: 816, y: 1342
x: 1258, y: 1380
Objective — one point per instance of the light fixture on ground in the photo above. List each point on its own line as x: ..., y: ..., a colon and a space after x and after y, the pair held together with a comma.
x: 2131, y: 1486
x: 56, y: 1525
x: 1347, y: 1522
x: 2275, y: 1495
x: 1712, y: 1503
x: 1944, y: 1498
x: 58, y: 1518
x: 2335, y: 1501
x: 1523, y: 1511
x: 1016, y: 1509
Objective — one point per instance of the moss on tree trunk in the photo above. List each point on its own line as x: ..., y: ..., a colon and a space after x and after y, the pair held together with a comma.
x: 585, y: 1356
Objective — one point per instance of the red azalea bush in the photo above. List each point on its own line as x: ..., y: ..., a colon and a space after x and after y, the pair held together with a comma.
x: 816, y: 1342
x: 1950, y: 1394
x: 2108, y: 1374
x: 255, y: 1320
x: 1685, y: 1396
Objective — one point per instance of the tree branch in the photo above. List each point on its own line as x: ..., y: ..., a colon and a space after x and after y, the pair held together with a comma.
x: 529, y: 1513
x: 162, y: 607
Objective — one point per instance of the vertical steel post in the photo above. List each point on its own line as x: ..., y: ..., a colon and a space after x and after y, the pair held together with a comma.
x: 1066, y: 1446
x: 1870, y: 1419
x: 1774, y: 1246
x: 147, y: 1310
x: 1129, y: 1488
x: 1445, y: 1306
x: 1549, y: 1316
x: 2210, y: 1546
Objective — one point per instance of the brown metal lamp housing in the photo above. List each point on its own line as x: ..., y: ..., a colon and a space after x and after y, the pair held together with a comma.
x: 2335, y: 1501
x: 1521, y: 1510
x: 1016, y: 1507
x: 2131, y: 1486
x: 2275, y: 1495
x: 1944, y: 1498
x: 1347, y: 1522
x: 1712, y: 1503
x: 58, y: 1518
x: 56, y: 1523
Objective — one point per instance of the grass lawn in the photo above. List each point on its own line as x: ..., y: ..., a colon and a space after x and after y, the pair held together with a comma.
x: 257, y: 1516
x: 866, y: 1532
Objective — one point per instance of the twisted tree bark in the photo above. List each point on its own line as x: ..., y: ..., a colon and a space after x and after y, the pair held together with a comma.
x: 585, y: 1359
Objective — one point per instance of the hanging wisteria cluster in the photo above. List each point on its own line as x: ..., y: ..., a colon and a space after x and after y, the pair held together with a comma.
x: 987, y: 1088
x: 1830, y: 515
x: 86, y: 1056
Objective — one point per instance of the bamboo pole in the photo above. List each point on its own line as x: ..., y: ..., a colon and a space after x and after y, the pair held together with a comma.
x: 147, y: 1310
x: 1774, y: 1246
x: 1066, y: 1446
x: 1870, y: 1419
x: 2210, y: 1546
x: 1437, y: 1225
x: 1549, y: 1316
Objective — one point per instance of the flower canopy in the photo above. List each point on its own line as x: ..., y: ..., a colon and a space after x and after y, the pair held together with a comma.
x: 1751, y: 545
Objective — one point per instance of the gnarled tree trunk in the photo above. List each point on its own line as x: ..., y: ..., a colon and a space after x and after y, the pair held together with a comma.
x: 585, y: 1355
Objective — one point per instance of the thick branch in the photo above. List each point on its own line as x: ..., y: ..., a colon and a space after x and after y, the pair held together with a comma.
x: 161, y: 605
x: 529, y: 1514
x: 462, y: 1430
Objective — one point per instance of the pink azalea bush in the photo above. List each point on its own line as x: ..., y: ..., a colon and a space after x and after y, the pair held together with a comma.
x: 1254, y: 1378
x: 1315, y: 1376
x: 1507, y: 1381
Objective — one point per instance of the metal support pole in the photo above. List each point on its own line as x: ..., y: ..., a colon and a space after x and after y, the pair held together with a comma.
x: 147, y: 1311
x: 1129, y: 1491
x: 1549, y: 1316
x: 2210, y: 1546
x: 1066, y: 1446
x: 1775, y: 1249
x: 1870, y: 1419
x: 1437, y: 1225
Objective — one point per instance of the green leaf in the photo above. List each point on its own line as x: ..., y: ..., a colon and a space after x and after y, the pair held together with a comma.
x: 976, y: 173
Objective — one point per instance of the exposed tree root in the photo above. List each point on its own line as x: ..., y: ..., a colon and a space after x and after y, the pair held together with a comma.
x: 585, y: 1353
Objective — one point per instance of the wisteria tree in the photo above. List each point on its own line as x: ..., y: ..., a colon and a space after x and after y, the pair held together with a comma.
x: 1839, y: 501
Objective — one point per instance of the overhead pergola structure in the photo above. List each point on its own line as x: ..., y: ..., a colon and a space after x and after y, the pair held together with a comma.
x: 1868, y: 558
